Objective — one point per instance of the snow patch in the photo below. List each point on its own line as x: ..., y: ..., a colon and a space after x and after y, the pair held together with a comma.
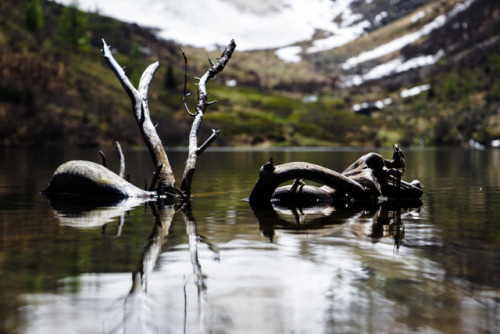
x: 231, y: 83
x: 495, y: 143
x: 289, y: 54
x: 310, y: 99
x: 420, y: 15
x: 476, y: 145
x: 380, y: 104
x: 380, y: 16
x: 211, y: 24
x: 398, y: 43
x: 394, y: 66
x: 340, y: 37
x: 415, y: 91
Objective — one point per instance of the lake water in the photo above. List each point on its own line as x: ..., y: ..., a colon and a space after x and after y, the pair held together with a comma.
x: 220, y: 267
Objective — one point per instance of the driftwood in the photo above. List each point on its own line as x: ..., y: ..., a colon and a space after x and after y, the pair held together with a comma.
x: 370, y: 179
x: 88, y: 178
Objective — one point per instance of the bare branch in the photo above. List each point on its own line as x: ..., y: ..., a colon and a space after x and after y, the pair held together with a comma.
x: 121, y: 158
x: 103, y: 158
x: 194, y: 150
x: 119, y: 72
x: 271, y: 176
x: 212, y: 137
x: 186, y: 94
x: 166, y: 180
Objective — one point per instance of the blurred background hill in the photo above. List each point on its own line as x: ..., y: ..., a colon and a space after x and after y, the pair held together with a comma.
x: 369, y: 73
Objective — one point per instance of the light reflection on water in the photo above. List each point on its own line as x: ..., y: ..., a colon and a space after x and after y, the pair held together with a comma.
x: 224, y: 269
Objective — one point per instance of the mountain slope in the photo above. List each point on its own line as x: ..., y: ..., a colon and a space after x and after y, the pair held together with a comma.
x: 424, y: 72
x: 449, y: 49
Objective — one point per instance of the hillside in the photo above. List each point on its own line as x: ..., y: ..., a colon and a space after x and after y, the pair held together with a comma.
x: 55, y: 90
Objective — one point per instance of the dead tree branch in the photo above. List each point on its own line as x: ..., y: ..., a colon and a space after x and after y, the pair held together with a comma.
x: 103, y: 159
x: 121, y: 158
x: 138, y: 97
x: 194, y: 149
x: 272, y: 176
x: 370, y: 178
x: 88, y: 178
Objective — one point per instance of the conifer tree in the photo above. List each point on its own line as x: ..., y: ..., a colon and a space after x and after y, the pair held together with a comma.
x: 72, y: 28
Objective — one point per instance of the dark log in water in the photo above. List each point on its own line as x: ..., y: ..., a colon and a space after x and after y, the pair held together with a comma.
x: 371, y: 179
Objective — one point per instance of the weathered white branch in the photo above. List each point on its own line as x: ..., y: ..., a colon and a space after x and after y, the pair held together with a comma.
x: 121, y: 157
x: 87, y: 178
x: 166, y: 180
x: 194, y: 150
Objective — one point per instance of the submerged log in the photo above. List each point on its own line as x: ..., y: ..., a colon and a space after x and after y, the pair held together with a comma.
x: 371, y: 179
x: 90, y: 178
x: 272, y: 176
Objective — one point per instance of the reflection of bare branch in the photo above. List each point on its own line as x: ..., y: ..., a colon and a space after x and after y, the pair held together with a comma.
x: 135, y: 306
x: 192, y: 233
x: 163, y: 217
x: 199, y: 277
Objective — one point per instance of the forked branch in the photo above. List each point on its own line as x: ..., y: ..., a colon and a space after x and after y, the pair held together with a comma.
x: 194, y: 149
x: 138, y: 97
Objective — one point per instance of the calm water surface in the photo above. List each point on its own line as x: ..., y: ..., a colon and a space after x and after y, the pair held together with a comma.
x: 223, y: 268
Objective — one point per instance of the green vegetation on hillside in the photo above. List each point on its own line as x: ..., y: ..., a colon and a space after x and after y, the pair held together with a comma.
x: 55, y: 89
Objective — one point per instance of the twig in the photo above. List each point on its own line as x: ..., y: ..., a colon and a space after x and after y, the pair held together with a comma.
x: 204, y: 146
x: 103, y: 158
x: 186, y: 94
x: 121, y: 157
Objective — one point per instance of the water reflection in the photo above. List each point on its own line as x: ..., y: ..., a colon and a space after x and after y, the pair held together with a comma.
x: 374, y: 221
x: 133, y: 308
x: 332, y: 271
x: 136, y: 317
x: 89, y: 213
x: 133, y: 313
